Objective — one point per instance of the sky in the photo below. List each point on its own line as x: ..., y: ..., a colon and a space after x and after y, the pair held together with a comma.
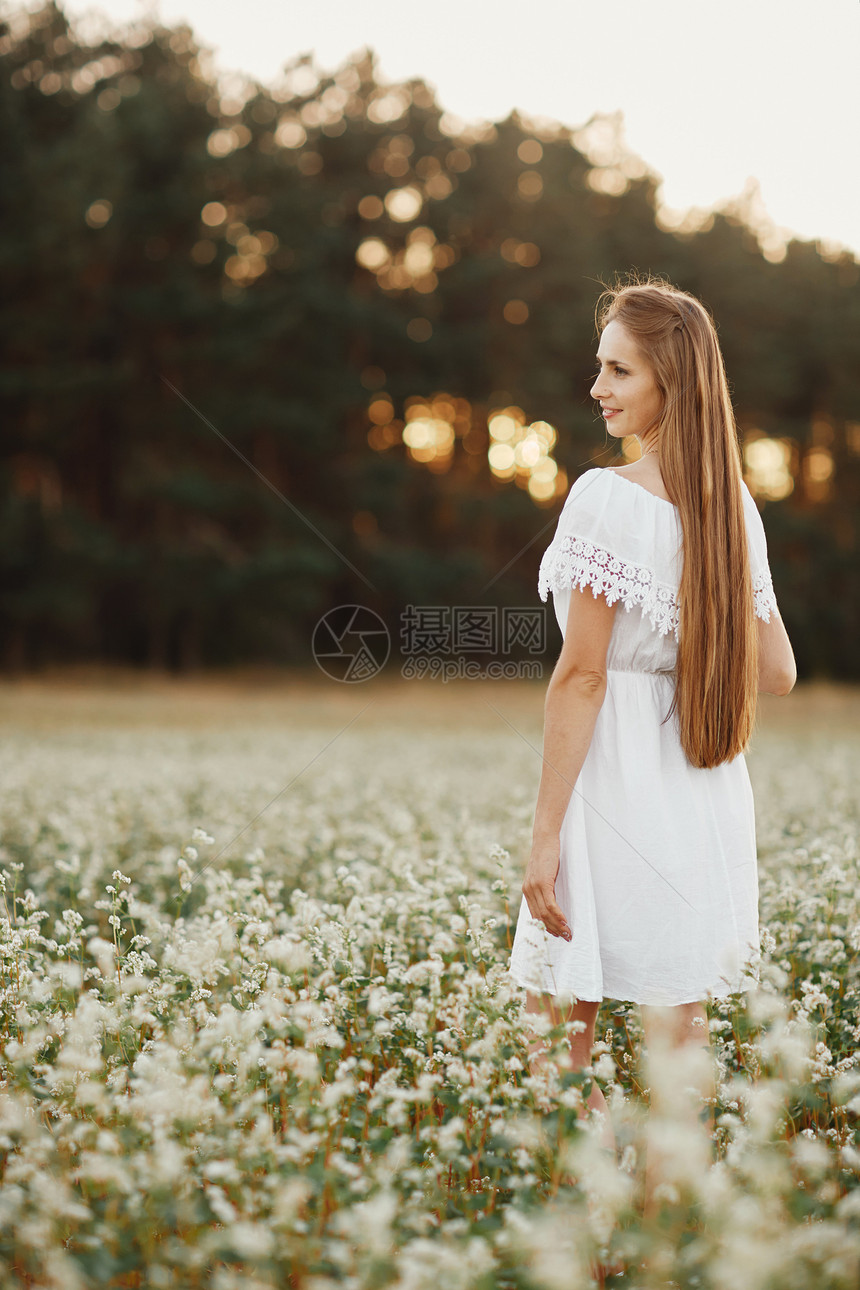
x: 714, y: 93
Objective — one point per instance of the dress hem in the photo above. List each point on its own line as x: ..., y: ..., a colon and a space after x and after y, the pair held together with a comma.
x: 626, y: 998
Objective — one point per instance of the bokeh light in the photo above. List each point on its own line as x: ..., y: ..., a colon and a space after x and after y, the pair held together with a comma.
x: 290, y: 133
x: 413, y: 267
x: 530, y: 151
x: 98, y: 213
x: 431, y: 428
x: 530, y: 185
x: 403, y: 204
x: 381, y: 410
x: 389, y: 105
x: 252, y: 250
x: 213, y: 214
x: 516, y: 312
x: 109, y: 99
x: 818, y: 474
x: 502, y: 459
x: 226, y: 140
x: 515, y: 252
x: 608, y: 180
x: 371, y: 207
x: 521, y: 452
x: 768, y: 464
x: 419, y: 329
x: 458, y: 160
x: 372, y: 254
x: 204, y: 251
x: 419, y: 259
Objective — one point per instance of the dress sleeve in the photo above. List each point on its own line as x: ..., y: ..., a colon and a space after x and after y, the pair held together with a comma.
x: 763, y: 595
x: 599, y: 543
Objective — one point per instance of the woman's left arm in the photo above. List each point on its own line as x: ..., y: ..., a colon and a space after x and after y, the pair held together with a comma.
x: 573, y: 699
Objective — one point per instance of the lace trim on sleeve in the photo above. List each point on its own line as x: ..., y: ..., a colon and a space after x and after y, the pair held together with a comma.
x: 765, y: 600
x: 577, y: 562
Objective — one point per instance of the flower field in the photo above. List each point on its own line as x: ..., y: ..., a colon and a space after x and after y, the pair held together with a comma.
x: 256, y: 1028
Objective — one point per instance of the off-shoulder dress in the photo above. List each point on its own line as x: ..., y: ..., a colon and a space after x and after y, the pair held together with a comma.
x: 658, y: 874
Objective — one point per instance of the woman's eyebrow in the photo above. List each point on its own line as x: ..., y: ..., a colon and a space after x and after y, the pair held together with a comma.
x: 611, y: 362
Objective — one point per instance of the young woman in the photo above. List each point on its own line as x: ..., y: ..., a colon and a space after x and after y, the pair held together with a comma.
x: 642, y: 884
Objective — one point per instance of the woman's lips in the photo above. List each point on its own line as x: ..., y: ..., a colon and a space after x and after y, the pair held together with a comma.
x: 611, y: 412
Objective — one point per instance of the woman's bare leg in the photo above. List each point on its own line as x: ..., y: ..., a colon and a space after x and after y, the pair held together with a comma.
x: 581, y: 1044
x: 668, y: 1030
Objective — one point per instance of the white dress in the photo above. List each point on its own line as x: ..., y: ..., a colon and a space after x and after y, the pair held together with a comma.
x: 658, y: 874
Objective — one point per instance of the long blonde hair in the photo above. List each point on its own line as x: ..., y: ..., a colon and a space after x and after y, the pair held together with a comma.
x: 716, y: 684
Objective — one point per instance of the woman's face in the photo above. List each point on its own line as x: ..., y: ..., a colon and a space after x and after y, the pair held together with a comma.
x: 629, y: 397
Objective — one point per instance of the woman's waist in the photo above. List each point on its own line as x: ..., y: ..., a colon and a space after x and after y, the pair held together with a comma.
x: 641, y: 670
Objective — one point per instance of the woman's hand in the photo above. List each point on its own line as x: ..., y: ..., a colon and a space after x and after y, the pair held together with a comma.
x: 539, y: 888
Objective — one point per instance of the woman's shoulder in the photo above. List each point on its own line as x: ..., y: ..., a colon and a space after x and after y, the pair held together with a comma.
x: 650, y: 483
x: 587, y: 479
x: 626, y: 487
x: 614, y: 536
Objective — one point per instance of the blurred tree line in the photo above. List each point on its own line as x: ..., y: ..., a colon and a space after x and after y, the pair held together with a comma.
x: 221, y: 300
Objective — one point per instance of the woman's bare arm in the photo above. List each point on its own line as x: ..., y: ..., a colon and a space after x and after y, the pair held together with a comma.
x: 777, y: 671
x: 573, y: 699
